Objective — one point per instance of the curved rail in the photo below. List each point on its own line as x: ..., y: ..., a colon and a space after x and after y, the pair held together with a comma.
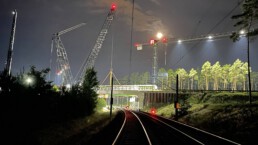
x: 123, y: 128
x: 143, y: 128
x: 159, y: 118
x: 201, y: 131
x: 119, y: 130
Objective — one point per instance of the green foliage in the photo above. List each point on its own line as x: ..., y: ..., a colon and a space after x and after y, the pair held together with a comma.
x: 206, y: 73
x: 100, y: 104
x: 89, y: 86
x: 246, y: 19
x: 221, y: 98
x: 209, y: 77
x: 166, y: 111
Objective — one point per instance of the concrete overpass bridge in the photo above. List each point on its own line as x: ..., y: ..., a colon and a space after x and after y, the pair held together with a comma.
x: 135, y: 96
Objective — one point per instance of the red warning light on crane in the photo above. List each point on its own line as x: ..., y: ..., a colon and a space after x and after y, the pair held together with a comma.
x: 113, y: 7
x: 164, y: 40
x: 153, y: 42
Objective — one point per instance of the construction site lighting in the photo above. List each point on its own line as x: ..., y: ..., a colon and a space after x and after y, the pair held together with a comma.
x: 159, y: 35
x: 242, y: 32
x: 68, y: 86
x: 29, y: 80
x: 210, y: 37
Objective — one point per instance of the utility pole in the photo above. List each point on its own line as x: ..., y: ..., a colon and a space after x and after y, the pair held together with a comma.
x: 248, y: 62
x: 176, y: 99
x: 111, y: 98
x: 10, y: 50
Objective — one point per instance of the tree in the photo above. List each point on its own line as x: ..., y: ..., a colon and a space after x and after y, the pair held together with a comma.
x: 225, y: 75
x: 38, y: 78
x: 89, y: 86
x: 254, y: 80
x: 206, y: 72
x: 163, y: 77
x: 171, y: 77
x: 234, y: 73
x: 182, y: 75
x: 216, y: 74
x: 244, y: 72
x: 134, y: 78
x: 247, y: 18
x: 192, y: 75
x: 146, y: 78
x: 6, y: 83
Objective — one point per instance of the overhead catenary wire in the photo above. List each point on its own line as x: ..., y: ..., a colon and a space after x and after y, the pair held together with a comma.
x: 202, y: 17
x: 213, y: 28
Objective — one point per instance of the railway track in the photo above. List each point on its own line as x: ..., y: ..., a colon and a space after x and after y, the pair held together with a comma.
x: 146, y: 129
x: 132, y: 131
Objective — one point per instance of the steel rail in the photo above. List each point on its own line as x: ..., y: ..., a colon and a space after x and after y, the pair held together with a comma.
x: 192, y: 138
x: 200, y: 130
x: 114, y: 142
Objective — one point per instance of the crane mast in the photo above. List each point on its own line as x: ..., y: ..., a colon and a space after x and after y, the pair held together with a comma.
x: 90, y: 61
x: 10, y: 50
x: 63, y: 66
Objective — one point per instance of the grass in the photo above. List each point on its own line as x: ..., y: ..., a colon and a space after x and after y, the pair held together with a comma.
x: 226, y: 114
x: 166, y: 111
x: 73, y: 130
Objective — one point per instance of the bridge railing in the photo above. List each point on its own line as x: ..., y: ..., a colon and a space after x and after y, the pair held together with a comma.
x: 128, y: 87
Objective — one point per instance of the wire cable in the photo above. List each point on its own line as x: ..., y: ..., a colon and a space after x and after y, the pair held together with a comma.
x: 214, y: 27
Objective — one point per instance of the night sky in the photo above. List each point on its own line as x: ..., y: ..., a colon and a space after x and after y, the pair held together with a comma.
x: 39, y: 19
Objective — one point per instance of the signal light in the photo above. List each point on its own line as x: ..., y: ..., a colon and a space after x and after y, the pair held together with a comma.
x: 113, y: 7
x: 153, y: 111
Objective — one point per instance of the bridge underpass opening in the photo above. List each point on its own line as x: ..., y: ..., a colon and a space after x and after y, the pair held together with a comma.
x: 126, y: 101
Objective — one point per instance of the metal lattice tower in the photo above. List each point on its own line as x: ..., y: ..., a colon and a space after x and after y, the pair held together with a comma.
x: 63, y: 65
x: 11, y: 43
x: 90, y: 61
x: 155, y: 64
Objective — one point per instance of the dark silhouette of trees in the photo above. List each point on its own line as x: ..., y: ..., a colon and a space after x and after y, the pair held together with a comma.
x: 29, y: 103
x: 246, y: 20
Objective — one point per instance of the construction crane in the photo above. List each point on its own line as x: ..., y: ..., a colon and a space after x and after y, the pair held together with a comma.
x: 165, y: 41
x: 11, y: 43
x: 63, y: 66
x: 90, y: 61
x: 154, y: 43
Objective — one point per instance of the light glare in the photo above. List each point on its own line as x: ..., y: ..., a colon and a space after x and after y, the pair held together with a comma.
x: 29, y: 80
x: 210, y: 37
x: 242, y: 32
x: 159, y: 35
x: 68, y: 86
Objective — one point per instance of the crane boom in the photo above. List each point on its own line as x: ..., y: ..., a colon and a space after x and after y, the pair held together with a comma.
x: 70, y: 29
x: 63, y: 66
x: 90, y: 61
